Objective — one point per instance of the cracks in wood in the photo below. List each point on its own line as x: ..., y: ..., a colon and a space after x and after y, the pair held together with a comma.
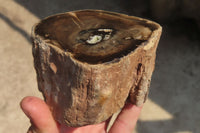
x: 135, y: 87
x: 76, y: 20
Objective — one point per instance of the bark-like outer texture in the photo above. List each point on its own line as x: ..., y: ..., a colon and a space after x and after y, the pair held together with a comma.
x: 80, y: 93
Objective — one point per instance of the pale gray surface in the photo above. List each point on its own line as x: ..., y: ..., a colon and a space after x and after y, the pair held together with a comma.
x: 173, y: 105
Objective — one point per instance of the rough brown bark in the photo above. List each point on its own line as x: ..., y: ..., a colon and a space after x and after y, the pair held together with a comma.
x: 89, y: 63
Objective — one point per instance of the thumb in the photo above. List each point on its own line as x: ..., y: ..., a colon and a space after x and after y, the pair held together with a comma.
x: 39, y: 114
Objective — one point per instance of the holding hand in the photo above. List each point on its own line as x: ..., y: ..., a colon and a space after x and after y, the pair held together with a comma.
x: 42, y: 120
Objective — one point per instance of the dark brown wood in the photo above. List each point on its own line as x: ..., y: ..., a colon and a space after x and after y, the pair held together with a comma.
x: 90, y: 62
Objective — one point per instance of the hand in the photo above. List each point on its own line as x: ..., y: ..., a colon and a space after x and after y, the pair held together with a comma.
x: 42, y: 120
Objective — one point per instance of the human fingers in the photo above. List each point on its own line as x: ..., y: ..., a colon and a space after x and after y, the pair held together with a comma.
x: 126, y: 120
x: 39, y: 114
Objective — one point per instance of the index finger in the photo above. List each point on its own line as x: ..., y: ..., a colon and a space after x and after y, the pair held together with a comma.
x: 126, y: 120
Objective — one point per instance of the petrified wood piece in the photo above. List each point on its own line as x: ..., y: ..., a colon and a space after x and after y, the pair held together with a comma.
x: 90, y: 62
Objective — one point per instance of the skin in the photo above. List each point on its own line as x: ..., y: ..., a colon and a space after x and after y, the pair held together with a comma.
x: 42, y: 121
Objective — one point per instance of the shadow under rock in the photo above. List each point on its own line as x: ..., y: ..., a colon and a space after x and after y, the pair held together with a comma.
x: 175, y: 85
